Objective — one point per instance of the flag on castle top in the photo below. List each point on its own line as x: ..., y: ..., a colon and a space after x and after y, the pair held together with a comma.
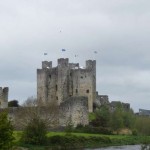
x: 45, y: 53
x: 95, y: 52
x: 63, y: 50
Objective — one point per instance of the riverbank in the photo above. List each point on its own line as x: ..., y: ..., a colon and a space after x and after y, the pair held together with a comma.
x: 59, y: 140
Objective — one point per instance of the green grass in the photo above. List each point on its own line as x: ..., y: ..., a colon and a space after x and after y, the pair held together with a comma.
x: 85, y: 140
x: 77, y: 134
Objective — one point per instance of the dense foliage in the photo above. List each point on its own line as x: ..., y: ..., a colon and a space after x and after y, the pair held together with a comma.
x: 13, y: 103
x: 102, y: 117
x: 114, y: 120
x: 6, y: 132
x: 142, y: 125
x: 59, y: 140
x: 35, y: 132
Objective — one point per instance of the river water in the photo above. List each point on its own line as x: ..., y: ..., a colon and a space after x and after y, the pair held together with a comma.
x: 128, y: 147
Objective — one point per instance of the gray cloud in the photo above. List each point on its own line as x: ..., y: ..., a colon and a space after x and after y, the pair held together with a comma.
x: 118, y: 30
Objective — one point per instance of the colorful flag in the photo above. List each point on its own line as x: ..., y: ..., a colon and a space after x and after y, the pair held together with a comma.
x: 63, y: 50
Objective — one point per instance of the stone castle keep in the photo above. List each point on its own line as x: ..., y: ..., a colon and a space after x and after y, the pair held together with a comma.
x: 4, y: 97
x: 57, y: 84
x: 72, y: 90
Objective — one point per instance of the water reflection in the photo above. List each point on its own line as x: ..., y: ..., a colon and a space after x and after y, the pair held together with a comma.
x: 145, y: 147
x: 128, y: 147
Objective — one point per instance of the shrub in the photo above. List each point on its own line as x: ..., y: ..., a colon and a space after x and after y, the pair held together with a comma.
x: 72, y: 141
x: 67, y: 141
x: 91, y: 129
x: 35, y: 132
x: 142, y: 125
x: 134, y: 132
x: 6, y: 132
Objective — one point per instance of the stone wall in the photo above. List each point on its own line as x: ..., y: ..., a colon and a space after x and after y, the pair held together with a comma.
x: 74, y: 111
x: 101, y: 100
x: 84, y: 82
x: 56, y: 84
x: 4, y: 97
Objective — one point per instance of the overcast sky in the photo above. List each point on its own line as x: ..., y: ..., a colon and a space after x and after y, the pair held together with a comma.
x: 119, y: 30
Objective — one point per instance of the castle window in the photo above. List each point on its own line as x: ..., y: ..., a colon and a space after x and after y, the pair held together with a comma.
x: 76, y: 90
x: 81, y: 77
x: 56, y: 97
x: 56, y: 87
x: 70, y: 74
x: 87, y: 91
x: 50, y: 76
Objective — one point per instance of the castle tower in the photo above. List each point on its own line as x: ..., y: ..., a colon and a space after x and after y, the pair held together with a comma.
x: 84, y: 82
x: 42, y: 82
x: 56, y: 84
x: 46, y: 64
x: 91, y: 67
x: 62, y: 81
x: 4, y: 97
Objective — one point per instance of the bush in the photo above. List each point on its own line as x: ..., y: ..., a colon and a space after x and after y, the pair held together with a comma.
x: 67, y: 141
x: 35, y: 132
x: 6, y: 132
x: 134, y: 132
x: 142, y: 125
x: 73, y: 141
x: 91, y: 129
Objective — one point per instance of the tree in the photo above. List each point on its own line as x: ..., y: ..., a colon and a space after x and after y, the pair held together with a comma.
x: 13, y: 103
x: 102, y: 117
x: 35, y: 119
x: 6, y: 132
x: 128, y: 119
x: 35, y: 132
x: 31, y: 110
x: 117, y: 118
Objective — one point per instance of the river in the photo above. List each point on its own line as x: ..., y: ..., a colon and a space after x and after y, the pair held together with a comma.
x: 128, y: 147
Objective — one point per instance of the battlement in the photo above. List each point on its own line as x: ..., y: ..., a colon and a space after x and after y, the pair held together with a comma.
x: 63, y: 62
x: 73, y: 65
x: 91, y: 64
x: 46, y: 64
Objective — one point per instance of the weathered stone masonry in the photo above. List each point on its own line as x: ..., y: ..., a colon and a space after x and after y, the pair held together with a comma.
x: 74, y: 111
x: 56, y: 84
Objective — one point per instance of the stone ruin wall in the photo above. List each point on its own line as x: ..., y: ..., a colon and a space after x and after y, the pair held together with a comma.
x: 101, y: 100
x: 4, y: 97
x: 74, y: 111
